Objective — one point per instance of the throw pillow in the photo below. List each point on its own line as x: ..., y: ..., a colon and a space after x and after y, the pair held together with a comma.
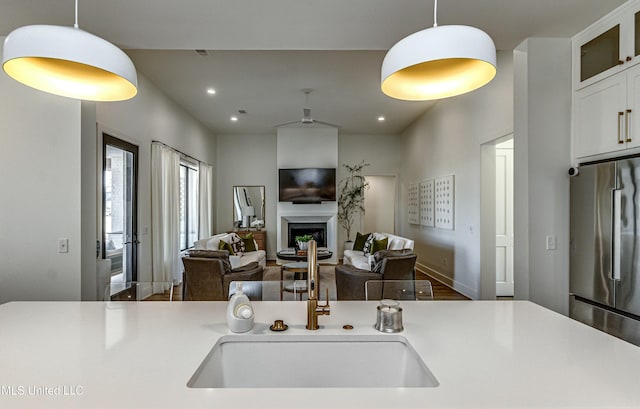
x: 249, y: 244
x: 367, y: 244
x: 226, y: 246
x: 396, y: 244
x: 236, y: 243
x: 213, y: 243
x: 360, y: 240
x: 378, y: 245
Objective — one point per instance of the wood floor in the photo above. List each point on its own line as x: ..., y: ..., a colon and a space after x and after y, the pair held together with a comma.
x: 440, y: 291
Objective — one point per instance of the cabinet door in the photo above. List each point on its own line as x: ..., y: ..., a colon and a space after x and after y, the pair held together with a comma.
x: 599, y: 117
x: 600, y: 53
x: 632, y: 114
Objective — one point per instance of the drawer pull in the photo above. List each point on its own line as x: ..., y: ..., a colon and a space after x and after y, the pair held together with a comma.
x: 628, y: 125
x: 620, y: 115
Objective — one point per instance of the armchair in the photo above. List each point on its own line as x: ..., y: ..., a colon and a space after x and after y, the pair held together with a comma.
x: 208, y: 273
x: 388, y: 265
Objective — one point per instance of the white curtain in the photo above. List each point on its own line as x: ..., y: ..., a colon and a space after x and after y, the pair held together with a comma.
x: 165, y: 193
x: 205, y: 208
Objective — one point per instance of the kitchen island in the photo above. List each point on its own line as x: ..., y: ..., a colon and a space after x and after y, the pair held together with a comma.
x: 484, y: 354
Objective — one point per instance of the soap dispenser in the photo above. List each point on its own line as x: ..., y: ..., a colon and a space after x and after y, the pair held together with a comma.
x: 239, y: 312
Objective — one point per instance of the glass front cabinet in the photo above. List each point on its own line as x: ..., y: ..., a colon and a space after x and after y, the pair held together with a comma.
x: 607, y: 47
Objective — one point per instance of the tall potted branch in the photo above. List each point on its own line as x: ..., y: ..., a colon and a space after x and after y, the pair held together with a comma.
x: 351, y: 197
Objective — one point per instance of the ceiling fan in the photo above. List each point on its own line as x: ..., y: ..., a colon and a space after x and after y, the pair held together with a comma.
x: 307, y: 119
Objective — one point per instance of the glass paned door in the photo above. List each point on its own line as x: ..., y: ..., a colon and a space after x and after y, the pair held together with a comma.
x: 119, y: 207
x: 188, y: 217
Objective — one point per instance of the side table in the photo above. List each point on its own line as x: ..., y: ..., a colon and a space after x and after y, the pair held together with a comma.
x: 299, y: 269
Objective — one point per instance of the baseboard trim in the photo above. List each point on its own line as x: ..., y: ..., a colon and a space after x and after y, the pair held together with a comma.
x: 444, y: 280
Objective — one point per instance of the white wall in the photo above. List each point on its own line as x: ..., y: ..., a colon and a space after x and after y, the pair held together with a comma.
x: 40, y: 199
x: 446, y: 141
x: 541, y: 159
x: 380, y: 204
x: 152, y: 116
x: 247, y: 160
x: 382, y: 152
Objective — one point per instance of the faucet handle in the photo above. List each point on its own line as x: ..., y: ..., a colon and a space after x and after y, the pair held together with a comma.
x: 327, y: 304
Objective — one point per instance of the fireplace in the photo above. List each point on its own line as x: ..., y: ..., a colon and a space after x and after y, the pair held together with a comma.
x: 317, y: 230
x: 318, y: 220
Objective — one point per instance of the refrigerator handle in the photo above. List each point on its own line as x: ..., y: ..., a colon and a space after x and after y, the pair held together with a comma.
x: 617, y: 203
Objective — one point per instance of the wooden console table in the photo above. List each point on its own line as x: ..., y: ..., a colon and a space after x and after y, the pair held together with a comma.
x: 260, y: 236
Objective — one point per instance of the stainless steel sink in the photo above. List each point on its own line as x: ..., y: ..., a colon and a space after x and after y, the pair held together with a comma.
x: 314, y: 361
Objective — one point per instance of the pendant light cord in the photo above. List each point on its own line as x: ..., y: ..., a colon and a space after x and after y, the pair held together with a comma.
x: 76, y: 23
x: 435, y: 13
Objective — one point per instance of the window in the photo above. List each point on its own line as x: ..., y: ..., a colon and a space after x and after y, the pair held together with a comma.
x: 188, y: 217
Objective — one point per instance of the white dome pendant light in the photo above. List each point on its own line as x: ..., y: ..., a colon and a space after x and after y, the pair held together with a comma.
x: 70, y: 62
x: 438, y: 62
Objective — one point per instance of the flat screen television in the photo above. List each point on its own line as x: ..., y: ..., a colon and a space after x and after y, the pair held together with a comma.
x: 307, y: 185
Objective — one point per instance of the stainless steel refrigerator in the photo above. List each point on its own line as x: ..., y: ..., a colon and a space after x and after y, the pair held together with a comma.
x: 605, y: 247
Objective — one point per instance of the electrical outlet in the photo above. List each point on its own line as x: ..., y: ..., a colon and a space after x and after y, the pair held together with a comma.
x: 551, y: 242
x: 444, y: 262
x: 63, y: 245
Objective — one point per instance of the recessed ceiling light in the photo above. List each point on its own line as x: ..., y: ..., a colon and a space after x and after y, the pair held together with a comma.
x: 211, y: 91
x: 234, y: 118
x: 380, y: 119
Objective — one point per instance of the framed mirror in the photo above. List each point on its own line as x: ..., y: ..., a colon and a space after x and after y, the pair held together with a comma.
x: 248, y: 207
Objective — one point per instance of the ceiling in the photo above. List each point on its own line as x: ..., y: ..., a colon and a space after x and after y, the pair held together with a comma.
x: 261, y: 54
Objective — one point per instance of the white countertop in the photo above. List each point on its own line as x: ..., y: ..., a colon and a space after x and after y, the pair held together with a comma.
x: 141, y: 355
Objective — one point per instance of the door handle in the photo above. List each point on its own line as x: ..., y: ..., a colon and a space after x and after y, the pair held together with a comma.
x: 615, y: 242
x: 132, y: 242
x: 620, y: 115
x: 628, y: 125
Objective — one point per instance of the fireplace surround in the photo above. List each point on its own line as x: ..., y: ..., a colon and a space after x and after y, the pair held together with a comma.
x: 317, y: 222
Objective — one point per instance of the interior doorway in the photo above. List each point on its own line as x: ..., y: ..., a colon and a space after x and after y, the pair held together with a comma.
x: 380, y: 205
x: 504, y: 219
x: 119, y: 209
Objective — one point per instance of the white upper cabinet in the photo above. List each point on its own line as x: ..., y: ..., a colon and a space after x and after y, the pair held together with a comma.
x: 607, y: 47
x: 597, y: 122
x: 606, y: 83
x: 606, y: 116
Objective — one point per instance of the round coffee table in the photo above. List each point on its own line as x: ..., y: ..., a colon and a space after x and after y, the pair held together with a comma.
x: 321, y: 255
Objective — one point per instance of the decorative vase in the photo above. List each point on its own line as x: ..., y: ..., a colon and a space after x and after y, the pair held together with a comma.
x: 302, y: 245
x: 348, y: 245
